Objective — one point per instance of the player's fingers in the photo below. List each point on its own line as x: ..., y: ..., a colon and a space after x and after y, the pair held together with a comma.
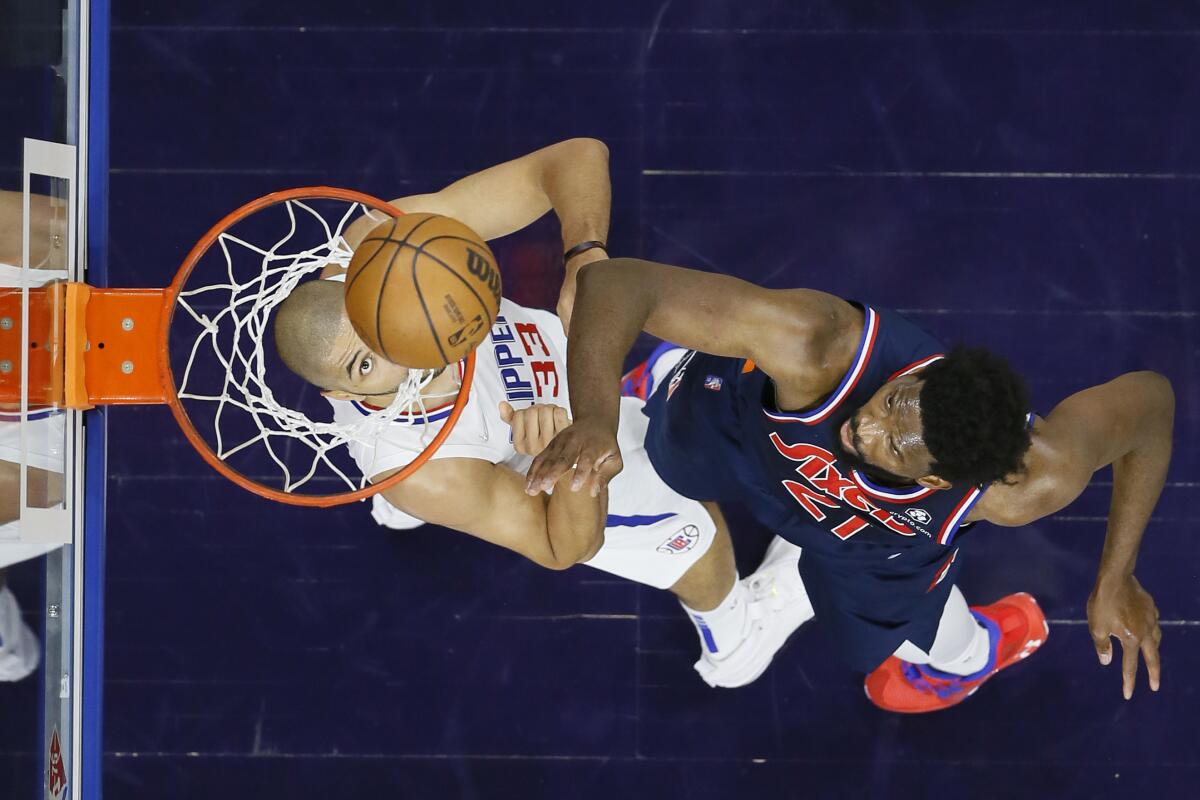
x: 583, y: 471
x: 562, y: 419
x: 506, y: 411
x: 605, y: 472
x: 1129, y: 665
x: 1153, y: 665
x: 546, y: 427
x: 537, y: 469
x: 520, y: 431
x: 550, y: 465
x: 551, y: 471
x: 533, y: 431
x: 1103, y: 646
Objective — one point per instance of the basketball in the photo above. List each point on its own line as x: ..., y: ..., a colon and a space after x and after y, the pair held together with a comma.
x: 422, y: 290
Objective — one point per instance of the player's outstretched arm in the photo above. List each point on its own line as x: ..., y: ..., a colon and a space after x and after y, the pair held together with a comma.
x: 803, y: 339
x: 1127, y: 423
x: 488, y: 501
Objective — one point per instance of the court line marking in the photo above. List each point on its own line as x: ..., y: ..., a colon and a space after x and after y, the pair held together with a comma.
x: 605, y: 759
x: 1174, y: 623
x: 656, y: 29
x: 950, y: 174
x: 1081, y: 312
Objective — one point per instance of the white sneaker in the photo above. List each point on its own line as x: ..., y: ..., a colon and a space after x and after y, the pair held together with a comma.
x: 20, y: 651
x: 778, y: 605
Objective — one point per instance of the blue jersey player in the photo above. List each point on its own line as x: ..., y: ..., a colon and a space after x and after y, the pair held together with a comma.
x: 851, y: 432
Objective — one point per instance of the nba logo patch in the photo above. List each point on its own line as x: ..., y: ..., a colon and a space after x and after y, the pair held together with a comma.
x: 683, y: 540
x: 713, y: 383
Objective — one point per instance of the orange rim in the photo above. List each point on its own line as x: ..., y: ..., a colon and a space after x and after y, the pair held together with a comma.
x: 172, y: 392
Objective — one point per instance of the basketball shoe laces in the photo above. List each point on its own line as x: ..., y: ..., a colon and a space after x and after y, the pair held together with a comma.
x: 931, y: 680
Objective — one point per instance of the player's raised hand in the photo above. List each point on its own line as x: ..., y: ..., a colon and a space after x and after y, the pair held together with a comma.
x: 1127, y: 611
x: 590, y: 447
x: 535, y: 426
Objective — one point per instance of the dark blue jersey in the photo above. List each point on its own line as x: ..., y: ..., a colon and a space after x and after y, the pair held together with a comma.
x: 878, y: 560
x: 782, y: 463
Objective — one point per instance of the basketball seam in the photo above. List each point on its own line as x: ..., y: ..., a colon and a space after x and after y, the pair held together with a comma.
x: 379, y: 303
x: 454, y: 272
x: 383, y: 286
x: 433, y: 331
x: 357, y: 275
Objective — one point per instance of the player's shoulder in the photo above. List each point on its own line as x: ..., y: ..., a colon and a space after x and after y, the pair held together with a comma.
x: 812, y: 343
x: 1046, y: 481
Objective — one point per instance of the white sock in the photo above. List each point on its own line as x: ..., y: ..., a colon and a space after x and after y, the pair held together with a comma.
x: 722, y: 629
x: 961, y: 646
x: 971, y: 660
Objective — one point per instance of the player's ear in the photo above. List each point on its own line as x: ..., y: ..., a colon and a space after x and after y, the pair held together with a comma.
x: 933, y: 482
x: 338, y: 394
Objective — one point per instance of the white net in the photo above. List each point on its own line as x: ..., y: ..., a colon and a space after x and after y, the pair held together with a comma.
x: 233, y: 317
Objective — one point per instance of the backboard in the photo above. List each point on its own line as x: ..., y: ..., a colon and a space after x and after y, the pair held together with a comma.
x: 53, y: 70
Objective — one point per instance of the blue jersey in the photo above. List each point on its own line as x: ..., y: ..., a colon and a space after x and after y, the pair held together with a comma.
x: 782, y: 464
x: 879, y: 560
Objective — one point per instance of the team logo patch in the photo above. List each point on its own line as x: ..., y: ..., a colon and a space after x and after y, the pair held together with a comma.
x: 683, y: 540
x: 919, y: 515
x: 56, y: 778
x: 713, y: 383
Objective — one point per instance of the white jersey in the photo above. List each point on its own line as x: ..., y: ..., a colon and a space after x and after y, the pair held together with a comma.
x: 523, y: 360
x: 653, y: 534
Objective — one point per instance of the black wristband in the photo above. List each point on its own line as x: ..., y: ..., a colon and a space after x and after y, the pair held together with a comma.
x: 582, y: 247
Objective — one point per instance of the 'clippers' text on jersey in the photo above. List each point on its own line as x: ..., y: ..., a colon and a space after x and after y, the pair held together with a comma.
x: 527, y: 369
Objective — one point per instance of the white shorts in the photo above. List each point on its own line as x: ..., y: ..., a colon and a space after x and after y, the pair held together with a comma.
x: 654, y: 534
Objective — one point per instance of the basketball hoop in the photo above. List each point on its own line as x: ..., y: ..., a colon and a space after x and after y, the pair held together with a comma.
x: 198, y: 346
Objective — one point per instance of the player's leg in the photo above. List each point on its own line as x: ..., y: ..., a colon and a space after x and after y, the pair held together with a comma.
x: 961, y: 644
x: 743, y: 623
x: 970, y: 646
x: 714, y: 576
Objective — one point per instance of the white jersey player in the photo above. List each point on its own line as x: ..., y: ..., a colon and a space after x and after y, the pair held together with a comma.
x: 652, y: 534
x: 639, y: 528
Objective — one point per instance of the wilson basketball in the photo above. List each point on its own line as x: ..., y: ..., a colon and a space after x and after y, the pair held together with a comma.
x: 422, y: 290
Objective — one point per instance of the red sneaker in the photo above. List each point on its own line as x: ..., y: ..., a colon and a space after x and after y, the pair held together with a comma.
x: 1016, y: 627
x: 636, y: 382
x: 639, y: 381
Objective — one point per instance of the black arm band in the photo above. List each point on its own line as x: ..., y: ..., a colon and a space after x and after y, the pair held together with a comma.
x: 582, y: 247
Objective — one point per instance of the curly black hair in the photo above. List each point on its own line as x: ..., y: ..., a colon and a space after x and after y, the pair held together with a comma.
x: 973, y: 407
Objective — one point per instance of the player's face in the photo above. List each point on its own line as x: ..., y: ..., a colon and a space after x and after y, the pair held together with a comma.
x: 355, y: 370
x: 885, y: 433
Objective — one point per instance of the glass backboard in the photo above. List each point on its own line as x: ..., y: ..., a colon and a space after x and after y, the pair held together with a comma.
x: 51, y: 480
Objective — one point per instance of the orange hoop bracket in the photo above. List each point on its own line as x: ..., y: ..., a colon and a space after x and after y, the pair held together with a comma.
x: 87, y: 346
x: 44, y: 325
x: 112, y: 357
